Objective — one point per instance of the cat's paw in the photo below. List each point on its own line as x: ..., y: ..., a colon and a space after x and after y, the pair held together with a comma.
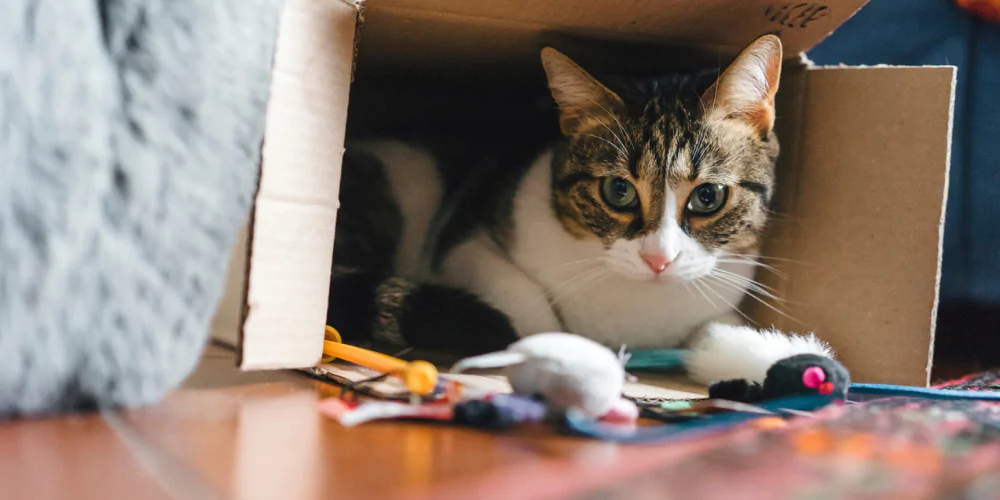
x: 724, y: 352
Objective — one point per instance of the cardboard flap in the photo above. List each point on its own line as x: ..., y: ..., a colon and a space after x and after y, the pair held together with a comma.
x: 295, y: 214
x: 860, y: 213
x: 480, y: 35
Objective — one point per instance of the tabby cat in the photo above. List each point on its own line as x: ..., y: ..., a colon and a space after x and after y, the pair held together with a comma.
x: 638, y: 227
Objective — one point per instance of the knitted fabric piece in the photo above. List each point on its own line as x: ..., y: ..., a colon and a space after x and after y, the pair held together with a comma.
x: 130, y: 135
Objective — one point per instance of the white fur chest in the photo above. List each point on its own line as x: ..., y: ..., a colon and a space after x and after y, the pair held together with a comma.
x: 621, y: 311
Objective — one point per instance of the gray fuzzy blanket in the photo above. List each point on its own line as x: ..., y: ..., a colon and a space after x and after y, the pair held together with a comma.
x: 130, y: 135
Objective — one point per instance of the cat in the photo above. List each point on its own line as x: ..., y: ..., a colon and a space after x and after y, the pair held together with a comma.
x: 638, y: 227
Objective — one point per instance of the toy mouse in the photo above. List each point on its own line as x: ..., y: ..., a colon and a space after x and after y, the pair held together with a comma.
x: 804, y: 374
x: 568, y: 371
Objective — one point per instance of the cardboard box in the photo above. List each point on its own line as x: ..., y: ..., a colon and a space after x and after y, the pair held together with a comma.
x: 861, y: 180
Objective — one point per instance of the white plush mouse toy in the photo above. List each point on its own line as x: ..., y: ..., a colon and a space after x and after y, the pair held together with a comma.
x: 569, y: 371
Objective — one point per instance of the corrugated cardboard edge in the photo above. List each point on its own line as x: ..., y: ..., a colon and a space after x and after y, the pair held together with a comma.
x: 359, y: 6
x: 292, y: 227
x: 944, y: 213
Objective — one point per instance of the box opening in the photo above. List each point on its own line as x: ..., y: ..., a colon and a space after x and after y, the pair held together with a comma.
x: 861, y: 179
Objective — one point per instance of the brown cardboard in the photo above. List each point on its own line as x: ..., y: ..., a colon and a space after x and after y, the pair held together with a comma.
x: 861, y: 179
x: 862, y: 184
x: 501, y: 35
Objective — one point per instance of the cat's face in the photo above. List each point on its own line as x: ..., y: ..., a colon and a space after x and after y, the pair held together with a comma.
x: 669, y: 183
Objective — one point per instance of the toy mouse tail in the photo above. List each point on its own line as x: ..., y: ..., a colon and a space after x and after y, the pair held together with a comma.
x: 498, y: 359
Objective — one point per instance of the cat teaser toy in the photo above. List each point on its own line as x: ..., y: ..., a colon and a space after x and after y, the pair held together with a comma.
x: 420, y: 377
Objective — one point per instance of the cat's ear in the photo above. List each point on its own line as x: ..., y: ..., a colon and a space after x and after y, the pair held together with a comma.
x: 583, y: 101
x: 746, y: 89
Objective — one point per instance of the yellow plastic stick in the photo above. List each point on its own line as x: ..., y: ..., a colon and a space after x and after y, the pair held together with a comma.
x: 419, y: 376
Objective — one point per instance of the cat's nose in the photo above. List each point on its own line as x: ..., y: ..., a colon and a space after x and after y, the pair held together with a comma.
x: 657, y: 262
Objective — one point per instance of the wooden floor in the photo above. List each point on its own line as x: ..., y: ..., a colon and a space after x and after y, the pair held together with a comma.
x: 228, y: 434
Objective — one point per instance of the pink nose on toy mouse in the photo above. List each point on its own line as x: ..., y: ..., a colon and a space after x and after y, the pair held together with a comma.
x: 813, y: 377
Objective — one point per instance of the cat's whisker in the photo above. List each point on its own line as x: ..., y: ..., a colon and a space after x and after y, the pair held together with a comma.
x: 681, y: 271
x: 620, y: 150
x: 763, y: 302
x: 728, y: 284
x: 738, y: 259
x: 617, y: 138
x: 768, y: 292
x: 730, y: 304
x: 574, y: 264
x: 582, y: 281
x: 761, y: 265
x: 684, y: 265
x: 613, y: 117
x: 765, y: 257
x: 581, y: 274
x: 697, y: 286
x: 552, y: 297
x: 551, y: 291
x: 715, y: 95
x: 554, y: 303
x: 754, y: 263
x: 755, y: 286
x: 592, y: 280
x: 777, y: 215
x: 743, y: 279
x: 749, y: 286
x: 687, y: 288
x: 778, y: 274
x: 770, y: 306
x: 748, y: 258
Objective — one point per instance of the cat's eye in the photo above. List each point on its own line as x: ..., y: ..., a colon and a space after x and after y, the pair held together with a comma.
x: 619, y: 193
x: 707, y: 199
